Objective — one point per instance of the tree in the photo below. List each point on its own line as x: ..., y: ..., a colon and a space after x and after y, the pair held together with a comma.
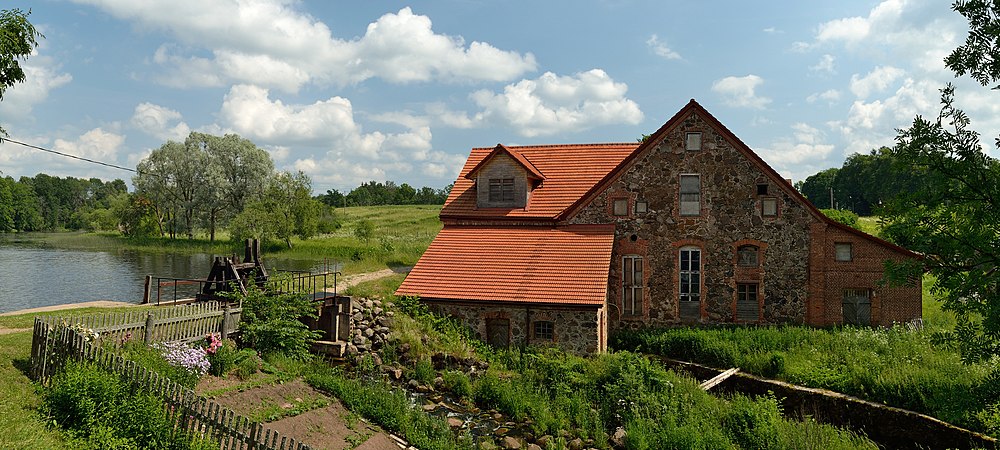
x: 952, y: 215
x: 287, y: 209
x: 173, y: 177
x: 17, y: 41
x: 817, y: 188
x: 237, y: 172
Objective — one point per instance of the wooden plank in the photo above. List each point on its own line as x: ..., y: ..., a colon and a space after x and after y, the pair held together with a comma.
x: 714, y: 381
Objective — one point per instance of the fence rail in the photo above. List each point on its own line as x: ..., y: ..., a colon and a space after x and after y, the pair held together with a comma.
x: 58, y: 340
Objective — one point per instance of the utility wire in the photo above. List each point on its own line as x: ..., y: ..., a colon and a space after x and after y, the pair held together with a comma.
x: 14, y: 141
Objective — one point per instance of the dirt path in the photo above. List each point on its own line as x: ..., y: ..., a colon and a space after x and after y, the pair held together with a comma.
x: 94, y: 304
x: 352, y: 280
x: 325, y: 427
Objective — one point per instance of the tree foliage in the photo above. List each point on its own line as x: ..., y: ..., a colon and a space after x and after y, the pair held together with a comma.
x: 952, y: 215
x: 374, y: 193
x: 18, y: 38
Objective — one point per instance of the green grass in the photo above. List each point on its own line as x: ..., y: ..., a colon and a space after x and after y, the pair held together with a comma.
x: 870, y: 225
x: 401, y: 234
x: 28, y: 320
x: 22, y: 425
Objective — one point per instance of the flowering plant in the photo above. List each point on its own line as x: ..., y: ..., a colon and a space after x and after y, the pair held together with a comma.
x: 88, y: 334
x: 212, y: 343
x: 194, y: 360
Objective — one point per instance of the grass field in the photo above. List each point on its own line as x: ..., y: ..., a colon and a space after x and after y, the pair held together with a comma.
x: 400, y: 234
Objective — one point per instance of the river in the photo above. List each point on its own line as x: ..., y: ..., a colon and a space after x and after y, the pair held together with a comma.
x: 32, y: 276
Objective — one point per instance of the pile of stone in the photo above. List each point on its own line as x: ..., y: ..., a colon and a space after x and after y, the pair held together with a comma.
x: 370, y: 324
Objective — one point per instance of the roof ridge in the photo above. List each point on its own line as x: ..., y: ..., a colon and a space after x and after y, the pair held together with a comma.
x: 596, y: 144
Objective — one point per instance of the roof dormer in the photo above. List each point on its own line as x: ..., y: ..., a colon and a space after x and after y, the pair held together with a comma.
x: 504, y: 179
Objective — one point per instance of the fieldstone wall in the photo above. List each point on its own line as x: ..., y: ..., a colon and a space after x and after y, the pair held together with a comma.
x: 730, y: 213
x: 369, y: 327
x: 578, y: 331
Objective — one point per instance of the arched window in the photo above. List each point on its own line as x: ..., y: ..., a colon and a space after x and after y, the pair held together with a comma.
x: 748, y: 256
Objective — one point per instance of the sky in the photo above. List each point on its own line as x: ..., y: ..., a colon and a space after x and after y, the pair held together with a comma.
x: 350, y: 92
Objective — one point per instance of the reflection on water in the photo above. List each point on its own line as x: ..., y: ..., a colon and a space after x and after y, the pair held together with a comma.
x: 31, y: 277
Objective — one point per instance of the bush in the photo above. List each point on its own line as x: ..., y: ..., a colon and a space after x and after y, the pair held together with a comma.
x: 154, y: 360
x: 842, y: 216
x: 458, y: 383
x: 101, y: 411
x: 248, y: 363
x: 271, y: 323
x: 423, y: 371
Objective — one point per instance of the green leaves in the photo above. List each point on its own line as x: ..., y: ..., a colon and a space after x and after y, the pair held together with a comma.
x: 17, y: 41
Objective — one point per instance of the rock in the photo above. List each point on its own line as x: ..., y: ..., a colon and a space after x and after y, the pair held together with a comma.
x: 545, y: 440
x: 369, y: 304
x: 534, y: 447
x: 369, y: 332
x: 405, y: 348
x: 352, y: 350
x: 510, y: 443
x: 396, y: 374
x: 358, y: 340
x: 497, y: 416
x: 377, y: 359
x: 413, y: 384
x: 455, y: 422
x: 377, y: 302
x: 357, y: 316
x: 618, y: 438
x: 575, y: 444
x: 429, y: 407
x: 377, y: 311
x: 438, y: 383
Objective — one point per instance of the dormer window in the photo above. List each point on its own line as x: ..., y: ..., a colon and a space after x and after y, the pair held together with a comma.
x: 501, y: 190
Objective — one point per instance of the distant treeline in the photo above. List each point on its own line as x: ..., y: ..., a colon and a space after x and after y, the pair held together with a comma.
x: 862, y: 184
x: 46, y: 203
x: 374, y: 193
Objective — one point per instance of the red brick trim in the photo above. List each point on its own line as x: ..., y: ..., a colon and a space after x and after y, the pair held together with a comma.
x: 676, y: 276
x: 617, y: 194
x: 755, y: 275
x: 626, y: 247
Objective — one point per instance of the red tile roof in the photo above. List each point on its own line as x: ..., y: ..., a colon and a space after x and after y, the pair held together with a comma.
x: 533, y: 171
x: 570, y: 171
x: 564, y: 265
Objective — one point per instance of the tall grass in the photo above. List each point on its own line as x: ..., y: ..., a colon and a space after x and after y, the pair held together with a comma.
x: 22, y: 426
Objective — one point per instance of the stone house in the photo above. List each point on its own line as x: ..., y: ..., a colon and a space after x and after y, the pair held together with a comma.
x: 561, y: 244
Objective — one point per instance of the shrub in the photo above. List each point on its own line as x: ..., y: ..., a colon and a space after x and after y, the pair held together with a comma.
x: 271, y: 323
x: 845, y: 217
x: 102, y: 411
x: 248, y: 363
x: 458, y: 383
x: 423, y: 371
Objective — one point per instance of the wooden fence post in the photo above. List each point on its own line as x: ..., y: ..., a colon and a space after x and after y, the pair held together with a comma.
x: 146, y: 289
x: 148, y: 338
x: 226, y: 319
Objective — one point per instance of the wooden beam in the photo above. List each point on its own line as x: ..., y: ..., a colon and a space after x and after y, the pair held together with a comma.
x: 709, y: 384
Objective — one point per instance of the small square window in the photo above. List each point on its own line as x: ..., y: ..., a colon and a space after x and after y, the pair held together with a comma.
x: 769, y: 207
x: 641, y: 207
x: 544, y: 330
x: 693, y: 141
x: 620, y: 207
x: 747, y: 256
x: 762, y: 189
x: 844, y: 251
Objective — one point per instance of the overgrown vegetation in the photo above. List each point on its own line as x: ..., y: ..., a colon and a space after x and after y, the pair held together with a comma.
x: 98, y: 410
x: 898, y: 366
x: 842, y: 216
x: 270, y: 322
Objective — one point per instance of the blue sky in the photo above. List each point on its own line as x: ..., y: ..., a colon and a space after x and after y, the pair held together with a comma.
x: 352, y: 91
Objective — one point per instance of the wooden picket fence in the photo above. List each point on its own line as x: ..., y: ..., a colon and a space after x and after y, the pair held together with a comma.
x: 58, y: 340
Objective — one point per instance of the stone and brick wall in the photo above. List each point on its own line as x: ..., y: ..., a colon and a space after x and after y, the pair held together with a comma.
x: 577, y: 330
x: 830, y: 278
x: 730, y: 214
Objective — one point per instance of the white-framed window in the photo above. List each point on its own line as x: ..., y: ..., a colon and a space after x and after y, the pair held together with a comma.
x: 690, y: 274
x: 769, y: 207
x: 692, y: 141
x: 632, y: 284
x: 619, y: 207
x: 844, y: 251
x: 748, y: 256
x: 641, y: 207
x: 690, y: 195
x: 501, y: 190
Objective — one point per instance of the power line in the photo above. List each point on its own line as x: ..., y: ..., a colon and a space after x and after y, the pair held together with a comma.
x: 14, y: 141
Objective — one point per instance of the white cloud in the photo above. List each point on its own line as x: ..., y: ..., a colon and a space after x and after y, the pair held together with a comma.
x: 772, y: 30
x: 797, y: 154
x: 552, y: 104
x: 824, y: 65
x: 850, y: 29
x: 271, y: 43
x: 94, y: 144
x: 741, y: 91
x: 876, y: 81
x: 160, y: 122
x: 829, y: 95
x: 42, y: 75
x: 660, y: 49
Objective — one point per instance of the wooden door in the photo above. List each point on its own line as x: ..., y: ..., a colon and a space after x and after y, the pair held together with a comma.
x: 498, y: 332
